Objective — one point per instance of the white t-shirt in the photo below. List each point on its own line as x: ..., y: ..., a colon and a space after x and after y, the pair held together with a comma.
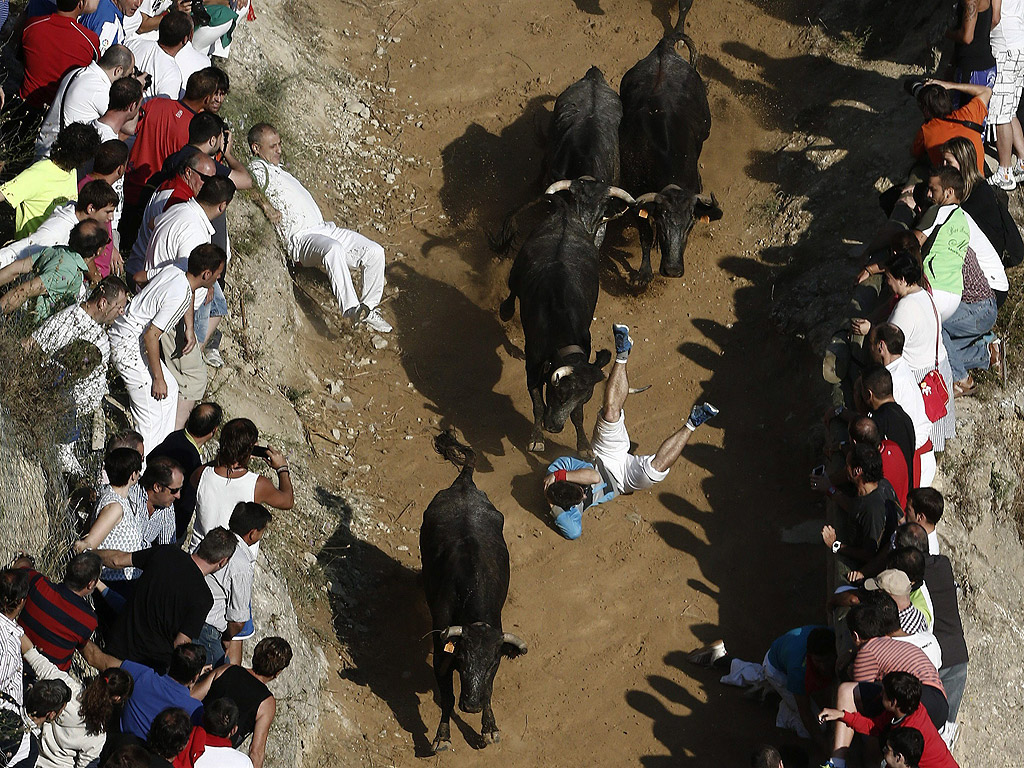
x: 162, y: 302
x: 176, y: 232
x: 915, y: 316
x: 151, y: 58
x: 926, y: 642
x: 155, y: 206
x: 1008, y: 34
x: 56, y: 230
x: 189, y: 62
x: 87, y: 99
x: 106, y: 132
x: 933, y: 543
x: 216, y: 498
x: 223, y: 757
x: 299, y: 210
x: 907, y: 394
x: 66, y: 326
x: 988, y: 259
x: 150, y: 8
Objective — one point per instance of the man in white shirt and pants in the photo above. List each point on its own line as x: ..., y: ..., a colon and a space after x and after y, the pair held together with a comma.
x: 157, y: 57
x: 313, y: 242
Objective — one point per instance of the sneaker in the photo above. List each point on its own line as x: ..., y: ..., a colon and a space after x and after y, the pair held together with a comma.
x: 1003, y: 178
x: 68, y: 461
x: 376, y: 321
x: 700, y: 414
x: 622, y: 342
x: 213, y: 358
x: 248, y: 629
x: 997, y: 358
x: 1018, y: 171
x: 707, y: 655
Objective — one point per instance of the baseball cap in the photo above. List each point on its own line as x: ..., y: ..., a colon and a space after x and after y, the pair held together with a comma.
x: 893, y: 581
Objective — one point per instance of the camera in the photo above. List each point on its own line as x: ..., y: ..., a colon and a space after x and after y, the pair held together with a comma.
x: 913, y: 85
x: 200, y: 17
x: 261, y: 451
x: 143, y: 77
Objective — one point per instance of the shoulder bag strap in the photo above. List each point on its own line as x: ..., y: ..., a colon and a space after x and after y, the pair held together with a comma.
x: 969, y: 124
x: 938, y: 327
x: 64, y: 96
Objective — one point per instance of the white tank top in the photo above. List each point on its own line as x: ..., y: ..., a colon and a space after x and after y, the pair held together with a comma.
x: 1008, y: 35
x: 216, y: 498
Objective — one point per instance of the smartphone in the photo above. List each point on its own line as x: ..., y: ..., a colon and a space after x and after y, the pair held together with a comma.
x: 818, y: 470
x: 261, y: 451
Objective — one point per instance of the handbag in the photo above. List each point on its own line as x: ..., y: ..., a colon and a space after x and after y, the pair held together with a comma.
x: 933, y: 386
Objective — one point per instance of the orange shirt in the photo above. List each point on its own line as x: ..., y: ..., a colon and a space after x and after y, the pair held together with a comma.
x: 936, y: 132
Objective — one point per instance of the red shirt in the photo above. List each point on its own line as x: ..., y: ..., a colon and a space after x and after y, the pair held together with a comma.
x: 162, y: 131
x: 56, y: 620
x: 894, y: 469
x: 53, y: 45
x: 881, y: 655
x: 936, y: 754
x: 180, y: 191
x: 102, y: 261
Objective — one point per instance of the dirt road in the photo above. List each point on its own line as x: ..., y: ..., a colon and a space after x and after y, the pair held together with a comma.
x: 609, y: 617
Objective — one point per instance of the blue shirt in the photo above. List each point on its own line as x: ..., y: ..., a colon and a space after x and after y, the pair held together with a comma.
x: 570, y: 522
x: 788, y: 654
x: 107, y: 21
x: 151, y: 695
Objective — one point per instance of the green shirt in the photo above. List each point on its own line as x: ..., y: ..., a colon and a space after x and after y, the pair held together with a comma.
x: 62, y: 272
x: 222, y: 14
x: 36, y: 191
x: 918, y: 600
x: 944, y: 262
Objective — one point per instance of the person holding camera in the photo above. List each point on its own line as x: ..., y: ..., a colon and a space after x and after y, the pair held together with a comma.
x: 942, y: 122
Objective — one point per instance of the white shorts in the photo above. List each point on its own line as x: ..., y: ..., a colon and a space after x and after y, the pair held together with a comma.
x: 1007, y: 90
x: 626, y: 472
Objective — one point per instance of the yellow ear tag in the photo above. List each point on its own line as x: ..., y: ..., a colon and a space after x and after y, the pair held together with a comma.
x: 449, y: 647
x: 705, y: 219
x: 642, y: 213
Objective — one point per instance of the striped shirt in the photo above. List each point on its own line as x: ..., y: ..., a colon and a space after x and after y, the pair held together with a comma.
x: 881, y: 655
x: 56, y: 620
x: 126, y: 535
x: 912, y: 620
x: 11, y: 665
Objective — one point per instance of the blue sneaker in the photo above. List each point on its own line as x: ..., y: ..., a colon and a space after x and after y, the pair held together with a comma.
x: 622, y: 342
x: 700, y: 414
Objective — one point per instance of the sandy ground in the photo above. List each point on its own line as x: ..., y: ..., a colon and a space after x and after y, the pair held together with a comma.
x: 608, y: 618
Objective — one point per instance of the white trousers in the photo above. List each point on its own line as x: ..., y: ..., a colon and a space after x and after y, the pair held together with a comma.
x: 745, y: 673
x: 337, y: 251
x: 154, y: 419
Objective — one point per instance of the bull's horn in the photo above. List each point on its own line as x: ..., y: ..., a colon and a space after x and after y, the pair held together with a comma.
x: 647, y: 197
x: 670, y: 187
x: 558, y: 186
x: 560, y: 373
x: 707, y: 199
x: 451, y: 632
x: 587, y: 178
x: 621, y: 194
x: 511, y: 639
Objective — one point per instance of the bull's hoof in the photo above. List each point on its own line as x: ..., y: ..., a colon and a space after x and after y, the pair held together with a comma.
x: 537, y: 445
x: 491, y: 737
x: 440, y: 745
x: 643, y: 278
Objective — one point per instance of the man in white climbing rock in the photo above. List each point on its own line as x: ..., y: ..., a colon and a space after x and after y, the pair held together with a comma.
x: 313, y: 242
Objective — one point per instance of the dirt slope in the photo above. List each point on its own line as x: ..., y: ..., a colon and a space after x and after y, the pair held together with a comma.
x: 608, y: 617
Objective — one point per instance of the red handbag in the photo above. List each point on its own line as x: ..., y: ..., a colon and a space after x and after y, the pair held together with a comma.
x: 933, y: 386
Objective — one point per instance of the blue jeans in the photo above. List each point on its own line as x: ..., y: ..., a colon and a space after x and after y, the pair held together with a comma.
x: 954, y: 680
x: 216, y: 308
x: 964, y: 336
x: 210, y: 639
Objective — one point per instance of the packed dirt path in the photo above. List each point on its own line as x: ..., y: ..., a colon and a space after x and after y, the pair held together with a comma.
x: 608, y: 618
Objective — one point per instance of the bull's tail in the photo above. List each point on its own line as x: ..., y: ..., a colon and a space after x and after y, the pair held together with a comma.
x: 502, y: 241
x: 678, y: 35
x: 446, y: 444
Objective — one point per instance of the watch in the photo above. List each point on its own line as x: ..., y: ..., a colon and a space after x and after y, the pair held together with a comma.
x: 836, y: 545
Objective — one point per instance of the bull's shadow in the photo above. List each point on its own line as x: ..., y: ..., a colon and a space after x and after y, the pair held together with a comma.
x: 380, y: 616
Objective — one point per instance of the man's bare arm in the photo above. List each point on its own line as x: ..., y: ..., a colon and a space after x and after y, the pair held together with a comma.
x: 964, y: 33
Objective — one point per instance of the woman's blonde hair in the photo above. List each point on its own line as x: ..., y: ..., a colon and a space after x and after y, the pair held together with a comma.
x: 967, y: 158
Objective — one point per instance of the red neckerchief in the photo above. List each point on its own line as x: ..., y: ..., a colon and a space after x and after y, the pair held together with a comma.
x: 198, y: 741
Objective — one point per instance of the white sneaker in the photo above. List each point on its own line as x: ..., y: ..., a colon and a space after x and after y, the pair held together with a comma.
x: 1018, y: 171
x: 1003, y: 178
x: 376, y: 321
x: 68, y: 461
x: 213, y: 358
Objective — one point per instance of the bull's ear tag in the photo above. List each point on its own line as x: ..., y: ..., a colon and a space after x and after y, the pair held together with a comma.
x: 449, y: 647
x: 705, y: 219
x: 642, y: 213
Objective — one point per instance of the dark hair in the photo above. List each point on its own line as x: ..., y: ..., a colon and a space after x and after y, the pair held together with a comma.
x: 908, y: 742
x: 903, y: 266
x: 127, y: 438
x: 217, y: 545
x: 160, y: 469
x: 910, y: 560
x: 219, y: 189
x: 248, y: 516
x: 66, y: 6
x: 46, y: 696
x: 223, y: 81
x: 87, y: 237
x: 96, y: 193
x: 124, y: 92
x: 187, y: 661
x: 14, y: 583
x: 170, y: 730
x: 110, y: 288
x: 206, y: 256
x: 203, y: 127
x: 878, y: 380
x: 888, y: 612
x: 204, y: 419
x: 175, y: 27
x: 891, y: 334
x: 821, y: 642
x: 82, y: 569
x: 864, y: 430
x: 866, y: 621
x: 927, y: 502
x: 237, y: 439
x: 934, y: 101
x: 110, y: 156
x: 271, y: 656
x: 868, y: 460
x: 128, y: 756
x: 904, y: 690
x: 766, y: 756
x: 220, y: 717
x: 564, y: 494
x: 120, y: 463
x: 912, y: 535
x: 950, y: 178
x: 98, y: 706
x: 202, y: 84
x: 257, y: 132
x: 76, y: 145
x: 116, y: 56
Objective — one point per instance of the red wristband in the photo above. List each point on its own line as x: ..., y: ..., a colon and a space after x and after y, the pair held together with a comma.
x: 560, y: 475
